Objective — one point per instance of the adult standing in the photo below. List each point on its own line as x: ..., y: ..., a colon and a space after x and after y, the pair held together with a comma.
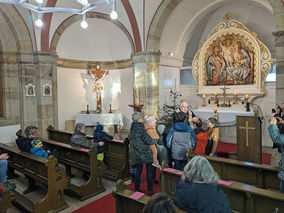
x: 190, y: 116
x: 278, y: 139
x: 140, y: 141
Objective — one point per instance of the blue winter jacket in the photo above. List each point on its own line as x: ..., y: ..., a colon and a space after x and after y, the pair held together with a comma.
x: 278, y: 139
x: 99, y: 135
x: 39, y: 152
x: 200, y: 198
x: 180, y: 138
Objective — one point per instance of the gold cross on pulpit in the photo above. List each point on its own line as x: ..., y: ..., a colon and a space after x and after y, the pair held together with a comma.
x: 247, y: 128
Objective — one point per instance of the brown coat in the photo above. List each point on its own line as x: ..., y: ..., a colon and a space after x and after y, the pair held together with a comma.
x: 151, y: 132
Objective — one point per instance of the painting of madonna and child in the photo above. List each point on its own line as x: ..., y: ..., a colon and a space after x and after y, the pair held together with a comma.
x: 230, y: 61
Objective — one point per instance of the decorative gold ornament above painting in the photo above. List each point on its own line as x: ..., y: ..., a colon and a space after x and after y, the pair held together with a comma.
x: 231, y: 55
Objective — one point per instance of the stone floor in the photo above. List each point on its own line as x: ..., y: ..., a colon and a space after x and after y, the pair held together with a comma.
x: 73, y: 202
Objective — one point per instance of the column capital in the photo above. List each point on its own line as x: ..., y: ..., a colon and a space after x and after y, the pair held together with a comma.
x: 145, y: 57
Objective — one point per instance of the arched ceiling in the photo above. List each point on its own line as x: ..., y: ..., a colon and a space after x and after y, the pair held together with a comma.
x: 180, y: 24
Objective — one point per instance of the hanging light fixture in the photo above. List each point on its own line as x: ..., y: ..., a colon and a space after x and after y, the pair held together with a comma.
x: 39, y: 22
x: 113, y: 13
x: 86, y: 7
x: 84, y: 23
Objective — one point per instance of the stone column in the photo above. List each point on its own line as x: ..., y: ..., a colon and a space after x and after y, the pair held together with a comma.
x: 47, y: 113
x: 278, y: 9
x: 146, y: 80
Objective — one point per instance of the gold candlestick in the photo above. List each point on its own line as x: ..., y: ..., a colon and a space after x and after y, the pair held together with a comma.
x: 235, y: 99
x: 204, y: 101
x: 216, y: 98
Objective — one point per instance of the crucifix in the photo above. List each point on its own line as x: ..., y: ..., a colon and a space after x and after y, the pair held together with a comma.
x: 224, y: 96
x: 97, y: 76
x: 247, y: 128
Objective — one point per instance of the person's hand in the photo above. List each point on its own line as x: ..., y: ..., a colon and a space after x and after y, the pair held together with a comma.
x: 195, y: 119
x: 273, y: 121
x: 48, y: 151
x: 211, y: 154
x: 4, y: 156
x: 101, y: 143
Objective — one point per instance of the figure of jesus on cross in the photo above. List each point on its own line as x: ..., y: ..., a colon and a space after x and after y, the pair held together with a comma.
x: 97, y: 77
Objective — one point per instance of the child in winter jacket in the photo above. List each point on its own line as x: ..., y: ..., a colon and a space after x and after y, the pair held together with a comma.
x: 201, y: 137
x: 37, y: 148
x: 101, y: 136
x: 213, y: 137
x: 150, y: 127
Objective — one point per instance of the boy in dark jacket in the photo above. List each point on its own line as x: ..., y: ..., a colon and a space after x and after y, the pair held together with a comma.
x: 180, y: 138
x: 101, y: 136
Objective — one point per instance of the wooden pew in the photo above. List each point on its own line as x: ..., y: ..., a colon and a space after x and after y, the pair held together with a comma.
x: 125, y: 204
x: 242, y: 197
x: 42, y: 170
x: 116, y: 156
x: 6, y: 198
x: 82, y: 159
x: 260, y: 175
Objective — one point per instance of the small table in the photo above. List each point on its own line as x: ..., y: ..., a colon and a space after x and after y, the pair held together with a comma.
x: 103, y: 119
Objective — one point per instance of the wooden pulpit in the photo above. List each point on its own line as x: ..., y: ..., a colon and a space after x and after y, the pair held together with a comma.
x: 249, y: 140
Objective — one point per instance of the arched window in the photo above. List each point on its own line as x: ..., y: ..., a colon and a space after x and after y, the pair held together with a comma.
x: 271, y: 77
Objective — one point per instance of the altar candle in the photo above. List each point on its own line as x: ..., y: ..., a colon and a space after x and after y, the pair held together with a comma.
x: 215, y: 110
x: 247, y: 96
x: 215, y: 93
x: 203, y: 96
x: 235, y: 93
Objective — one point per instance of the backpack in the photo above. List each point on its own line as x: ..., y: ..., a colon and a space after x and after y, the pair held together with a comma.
x: 201, y: 143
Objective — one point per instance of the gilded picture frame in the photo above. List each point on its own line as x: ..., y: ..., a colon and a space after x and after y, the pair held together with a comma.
x: 231, y: 55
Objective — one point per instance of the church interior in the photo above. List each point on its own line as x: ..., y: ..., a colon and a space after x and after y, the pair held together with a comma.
x: 85, y: 61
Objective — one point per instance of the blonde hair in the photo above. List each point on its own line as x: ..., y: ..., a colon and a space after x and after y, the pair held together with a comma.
x: 30, y: 131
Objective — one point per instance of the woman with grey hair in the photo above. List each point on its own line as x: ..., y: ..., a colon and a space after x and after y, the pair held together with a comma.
x: 79, y: 138
x: 197, y: 190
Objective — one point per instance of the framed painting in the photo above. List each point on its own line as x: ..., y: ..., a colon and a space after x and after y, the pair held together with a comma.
x: 47, y: 90
x: 232, y: 55
x: 30, y: 90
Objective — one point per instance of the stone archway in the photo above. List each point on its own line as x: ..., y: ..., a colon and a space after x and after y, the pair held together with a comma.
x: 72, y: 19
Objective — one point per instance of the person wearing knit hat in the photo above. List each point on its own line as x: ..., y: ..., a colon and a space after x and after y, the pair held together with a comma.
x: 150, y: 127
x: 213, y: 137
x: 37, y: 148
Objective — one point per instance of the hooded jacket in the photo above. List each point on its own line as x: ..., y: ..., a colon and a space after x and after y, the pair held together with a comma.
x: 200, y: 198
x: 39, y: 152
x: 24, y: 144
x: 180, y: 138
x: 101, y: 136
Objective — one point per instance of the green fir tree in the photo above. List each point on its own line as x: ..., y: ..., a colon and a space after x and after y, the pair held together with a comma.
x: 167, y: 112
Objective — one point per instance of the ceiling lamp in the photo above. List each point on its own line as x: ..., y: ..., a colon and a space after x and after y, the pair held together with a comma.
x: 86, y: 6
x: 84, y: 23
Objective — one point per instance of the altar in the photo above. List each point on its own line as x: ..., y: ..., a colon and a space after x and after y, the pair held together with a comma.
x: 226, y: 119
x: 103, y: 119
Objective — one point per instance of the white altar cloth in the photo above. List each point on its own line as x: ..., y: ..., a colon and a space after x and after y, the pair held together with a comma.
x: 225, y: 117
x: 103, y: 119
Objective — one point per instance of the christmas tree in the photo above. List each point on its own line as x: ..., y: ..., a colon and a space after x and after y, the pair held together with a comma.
x: 167, y: 112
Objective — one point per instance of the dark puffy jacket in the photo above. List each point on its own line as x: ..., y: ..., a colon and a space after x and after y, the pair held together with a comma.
x: 101, y: 136
x: 140, y: 141
x: 80, y: 139
x: 278, y: 139
x: 180, y: 138
x: 24, y: 144
x: 200, y: 198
